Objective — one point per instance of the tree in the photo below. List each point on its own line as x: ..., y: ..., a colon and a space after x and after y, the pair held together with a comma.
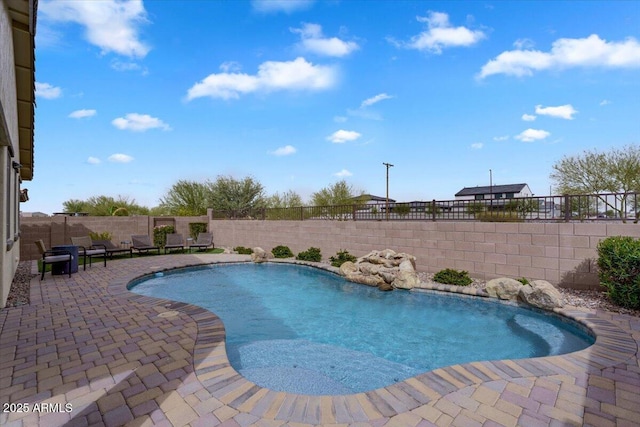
x: 593, y: 172
x: 186, y: 198
x: 339, y: 193
x: 106, y: 206
x: 238, y: 198
x: 289, y: 199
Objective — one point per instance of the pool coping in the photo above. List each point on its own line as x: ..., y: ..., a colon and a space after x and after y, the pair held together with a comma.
x: 612, y: 346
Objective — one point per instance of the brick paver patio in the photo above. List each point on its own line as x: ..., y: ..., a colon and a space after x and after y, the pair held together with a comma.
x: 86, y: 351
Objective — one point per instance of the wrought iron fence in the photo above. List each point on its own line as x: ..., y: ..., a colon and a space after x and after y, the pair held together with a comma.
x: 587, y: 207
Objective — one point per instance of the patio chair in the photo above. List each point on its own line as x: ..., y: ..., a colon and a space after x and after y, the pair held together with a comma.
x: 110, y: 247
x: 174, y: 241
x: 89, y: 249
x: 53, y: 257
x: 203, y: 241
x: 143, y: 244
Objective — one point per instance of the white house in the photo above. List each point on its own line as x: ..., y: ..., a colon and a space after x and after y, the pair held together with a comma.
x: 17, y: 83
x: 489, y: 192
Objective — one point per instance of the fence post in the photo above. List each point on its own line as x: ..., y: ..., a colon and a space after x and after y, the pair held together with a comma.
x: 353, y: 212
x: 433, y: 210
x: 567, y: 208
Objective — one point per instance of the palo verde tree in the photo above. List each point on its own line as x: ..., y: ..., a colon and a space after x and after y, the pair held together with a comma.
x: 339, y: 193
x: 288, y: 199
x: 186, y: 198
x: 106, y: 206
x: 593, y: 172
x: 236, y: 197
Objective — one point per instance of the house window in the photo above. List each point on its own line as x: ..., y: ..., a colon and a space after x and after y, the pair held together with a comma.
x: 510, y: 195
x: 479, y: 196
x: 499, y: 195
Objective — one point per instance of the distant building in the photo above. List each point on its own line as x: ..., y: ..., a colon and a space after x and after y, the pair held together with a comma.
x: 370, y: 199
x: 33, y: 215
x: 509, y: 191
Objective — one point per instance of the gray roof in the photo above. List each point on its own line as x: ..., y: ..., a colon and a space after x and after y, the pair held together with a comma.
x: 509, y: 188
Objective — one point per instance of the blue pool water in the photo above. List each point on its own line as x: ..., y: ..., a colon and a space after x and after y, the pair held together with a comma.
x: 303, y: 330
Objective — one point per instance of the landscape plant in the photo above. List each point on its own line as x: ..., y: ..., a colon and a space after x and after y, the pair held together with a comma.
x: 243, y: 251
x: 105, y: 235
x: 281, y: 251
x: 311, y: 254
x: 196, y: 228
x: 619, y: 269
x: 160, y: 234
x: 450, y: 276
x: 341, y: 257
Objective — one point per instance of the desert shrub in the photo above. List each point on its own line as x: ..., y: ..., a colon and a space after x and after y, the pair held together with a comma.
x: 496, y: 216
x: 243, y: 251
x: 524, y: 280
x: 402, y: 209
x: 452, y: 277
x: 282, y: 252
x: 197, y: 227
x: 160, y: 234
x: 105, y: 235
x: 619, y: 269
x: 341, y: 257
x: 311, y: 254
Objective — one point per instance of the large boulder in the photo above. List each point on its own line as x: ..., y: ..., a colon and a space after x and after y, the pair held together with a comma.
x: 503, y: 288
x: 386, y: 269
x: 541, y: 294
x: 260, y: 255
x: 347, y: 268
x: 369, y: 280
x: 406, y: 280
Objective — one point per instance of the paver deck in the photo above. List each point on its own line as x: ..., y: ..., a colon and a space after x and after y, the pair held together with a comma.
x: 86, y: 351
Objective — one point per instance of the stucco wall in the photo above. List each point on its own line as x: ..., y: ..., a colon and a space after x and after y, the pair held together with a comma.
x: 562, y: 253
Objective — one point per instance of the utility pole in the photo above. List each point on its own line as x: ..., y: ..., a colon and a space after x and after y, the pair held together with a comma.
x: 388, y: 165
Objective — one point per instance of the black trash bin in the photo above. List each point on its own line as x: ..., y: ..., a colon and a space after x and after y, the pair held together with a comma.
x: 61, y: 267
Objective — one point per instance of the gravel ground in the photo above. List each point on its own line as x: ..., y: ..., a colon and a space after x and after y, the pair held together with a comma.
x: 19, y: 293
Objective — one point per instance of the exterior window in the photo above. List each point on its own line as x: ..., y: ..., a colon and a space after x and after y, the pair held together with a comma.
x: 8, y: 188
x: 479, y: 196
x: 499, y: 195
x: 510, y: 195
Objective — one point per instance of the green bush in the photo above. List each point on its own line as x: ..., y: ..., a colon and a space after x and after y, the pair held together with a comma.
x: 342, y: 257
x: 311, y: 254
x: 452, y: 277
x: 243, y: 251
x: 105, y: 235
x: 619, y: 265
x: 282, y: 252
x: 160, y: 234
x: 197, y: 227
x: 524, y: 280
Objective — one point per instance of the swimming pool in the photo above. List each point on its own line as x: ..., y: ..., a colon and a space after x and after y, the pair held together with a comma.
x: 303, y: 330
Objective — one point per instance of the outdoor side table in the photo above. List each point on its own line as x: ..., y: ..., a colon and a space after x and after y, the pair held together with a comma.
x: 61, y: 267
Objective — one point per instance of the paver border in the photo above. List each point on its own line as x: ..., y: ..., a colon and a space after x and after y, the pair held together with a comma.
x: 612, y: 346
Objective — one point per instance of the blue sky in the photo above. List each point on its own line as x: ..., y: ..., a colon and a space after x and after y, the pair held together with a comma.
x: 133, y: 96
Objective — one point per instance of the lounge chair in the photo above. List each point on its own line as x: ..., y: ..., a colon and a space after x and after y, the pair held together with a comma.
x: 88, y: 249
x: 53, y: 256
x: 142, y: 243
x: 110, y: 247
x: 174, y: 241
x: 203, y: 241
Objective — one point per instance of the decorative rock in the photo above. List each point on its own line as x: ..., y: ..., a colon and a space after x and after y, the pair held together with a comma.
x: 365, y: 280
x: 347, y: 268
x: 260, y: 255
x: 503, y: 288
x: 385, y: 287
x: 406, y: 280
x: 541, y: 294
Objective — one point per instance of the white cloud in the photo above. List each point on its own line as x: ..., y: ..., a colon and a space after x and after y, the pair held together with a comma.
x: 284, y: 151
x: 605, y: 102
x: 80, y: 114
x: 286, y: 6
x: 343, y: 173
x: 139, y: 123
x: 313, y: 41
x: 111, y: 25
x: 340, y: 119
x: 566, y: 53
x: 531, y: 135
x: 477, y: 145
x: 126, y: 66
x: 230, y: 66
x: 93, y: 161
x: 440, y: 34
x: 370, y: 101
x: 528, y: 117
x: 341, y: 136
x: 47, y: 91
x: 563, y: 111
x: 523, y: 44
x: 501, y: 138
x: 120, y: 158
x: 272, y: 75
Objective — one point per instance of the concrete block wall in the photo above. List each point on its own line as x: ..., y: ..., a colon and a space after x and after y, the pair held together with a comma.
x: 58, y: 230
x: 562, y: 253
